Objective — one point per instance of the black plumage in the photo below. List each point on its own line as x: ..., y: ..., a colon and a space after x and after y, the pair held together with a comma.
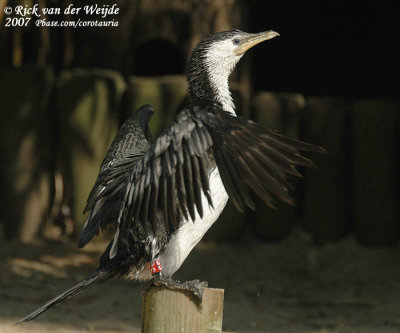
x: 249, y: 157
x: 108, y: 191
x: 149, y: 191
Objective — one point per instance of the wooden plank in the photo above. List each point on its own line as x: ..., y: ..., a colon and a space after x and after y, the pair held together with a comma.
x: 280, y: 112
x: 26, y: 143
x: 171, y: 311
x: 376, y: 165
x: 87, y: 103
x: 327, y: 189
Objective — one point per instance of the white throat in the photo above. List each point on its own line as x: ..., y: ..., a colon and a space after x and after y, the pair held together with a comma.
x: 223, y: 94
x: 221, y: 62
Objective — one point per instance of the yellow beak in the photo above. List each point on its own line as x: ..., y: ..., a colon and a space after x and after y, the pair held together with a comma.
x: 254, y: 39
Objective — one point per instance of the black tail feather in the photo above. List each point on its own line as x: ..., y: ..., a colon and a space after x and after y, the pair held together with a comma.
x: 99, y: 275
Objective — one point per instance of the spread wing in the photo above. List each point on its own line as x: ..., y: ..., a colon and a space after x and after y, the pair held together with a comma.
x: 173, y: 174
x: 250, y: 156
x: 106, y: 197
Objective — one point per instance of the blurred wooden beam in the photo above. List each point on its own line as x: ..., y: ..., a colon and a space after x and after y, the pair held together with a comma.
x: 376, y: 162
x: 327, y: 189
x: 3, y: 5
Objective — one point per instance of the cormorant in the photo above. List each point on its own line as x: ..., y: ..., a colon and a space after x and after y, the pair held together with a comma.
x: 162, y: 197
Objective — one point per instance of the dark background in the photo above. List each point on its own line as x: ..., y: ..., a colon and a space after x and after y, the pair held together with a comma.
x: 331, y: 78
x: 329, y: 48
x: 326, y: 48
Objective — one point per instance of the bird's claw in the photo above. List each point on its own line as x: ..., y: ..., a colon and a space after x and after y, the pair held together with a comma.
x: 196, y: 287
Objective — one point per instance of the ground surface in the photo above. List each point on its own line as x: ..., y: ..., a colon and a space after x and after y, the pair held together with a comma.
x: 291, y: 286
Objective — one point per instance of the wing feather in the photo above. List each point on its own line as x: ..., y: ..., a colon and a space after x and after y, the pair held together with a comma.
x: 172, y: 176
x: 110, y: 187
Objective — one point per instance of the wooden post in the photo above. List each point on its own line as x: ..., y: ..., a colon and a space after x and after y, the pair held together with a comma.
x: 26, y: 143
x: 327, y: 189
x: 281, y: 112
x: 376, y: 162
x: 87, y: 103
x: 171, y: 311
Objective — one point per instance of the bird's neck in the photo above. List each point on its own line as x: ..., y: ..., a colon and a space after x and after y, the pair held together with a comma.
x: 209, y: 82
x: 223, y: 95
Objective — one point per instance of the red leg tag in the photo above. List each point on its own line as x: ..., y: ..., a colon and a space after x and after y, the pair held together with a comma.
x: 156, y: 267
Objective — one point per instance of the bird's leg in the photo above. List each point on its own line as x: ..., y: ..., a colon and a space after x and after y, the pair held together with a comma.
x: 195, y: 286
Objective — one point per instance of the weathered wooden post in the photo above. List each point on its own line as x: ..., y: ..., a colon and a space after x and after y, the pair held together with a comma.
x: 88, y: 104
x: 171, y: 311
x: 26, y: 140
x: 327, y: 190
x: 376, y: 180
x: 281, y: 112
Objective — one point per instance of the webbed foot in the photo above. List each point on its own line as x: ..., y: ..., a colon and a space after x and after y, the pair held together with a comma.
x: 195, y: 286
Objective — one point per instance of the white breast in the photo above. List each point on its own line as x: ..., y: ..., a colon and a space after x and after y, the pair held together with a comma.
x: 189, y: 233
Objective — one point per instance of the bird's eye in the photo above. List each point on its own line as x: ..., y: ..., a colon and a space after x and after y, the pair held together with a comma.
x: 236, y: 41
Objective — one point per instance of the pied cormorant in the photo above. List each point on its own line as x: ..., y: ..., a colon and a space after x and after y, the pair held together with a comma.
x: 162, y: 196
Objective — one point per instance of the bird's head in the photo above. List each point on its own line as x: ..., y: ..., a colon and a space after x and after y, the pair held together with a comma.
x: 215, y: 57
x: 229, y: 46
